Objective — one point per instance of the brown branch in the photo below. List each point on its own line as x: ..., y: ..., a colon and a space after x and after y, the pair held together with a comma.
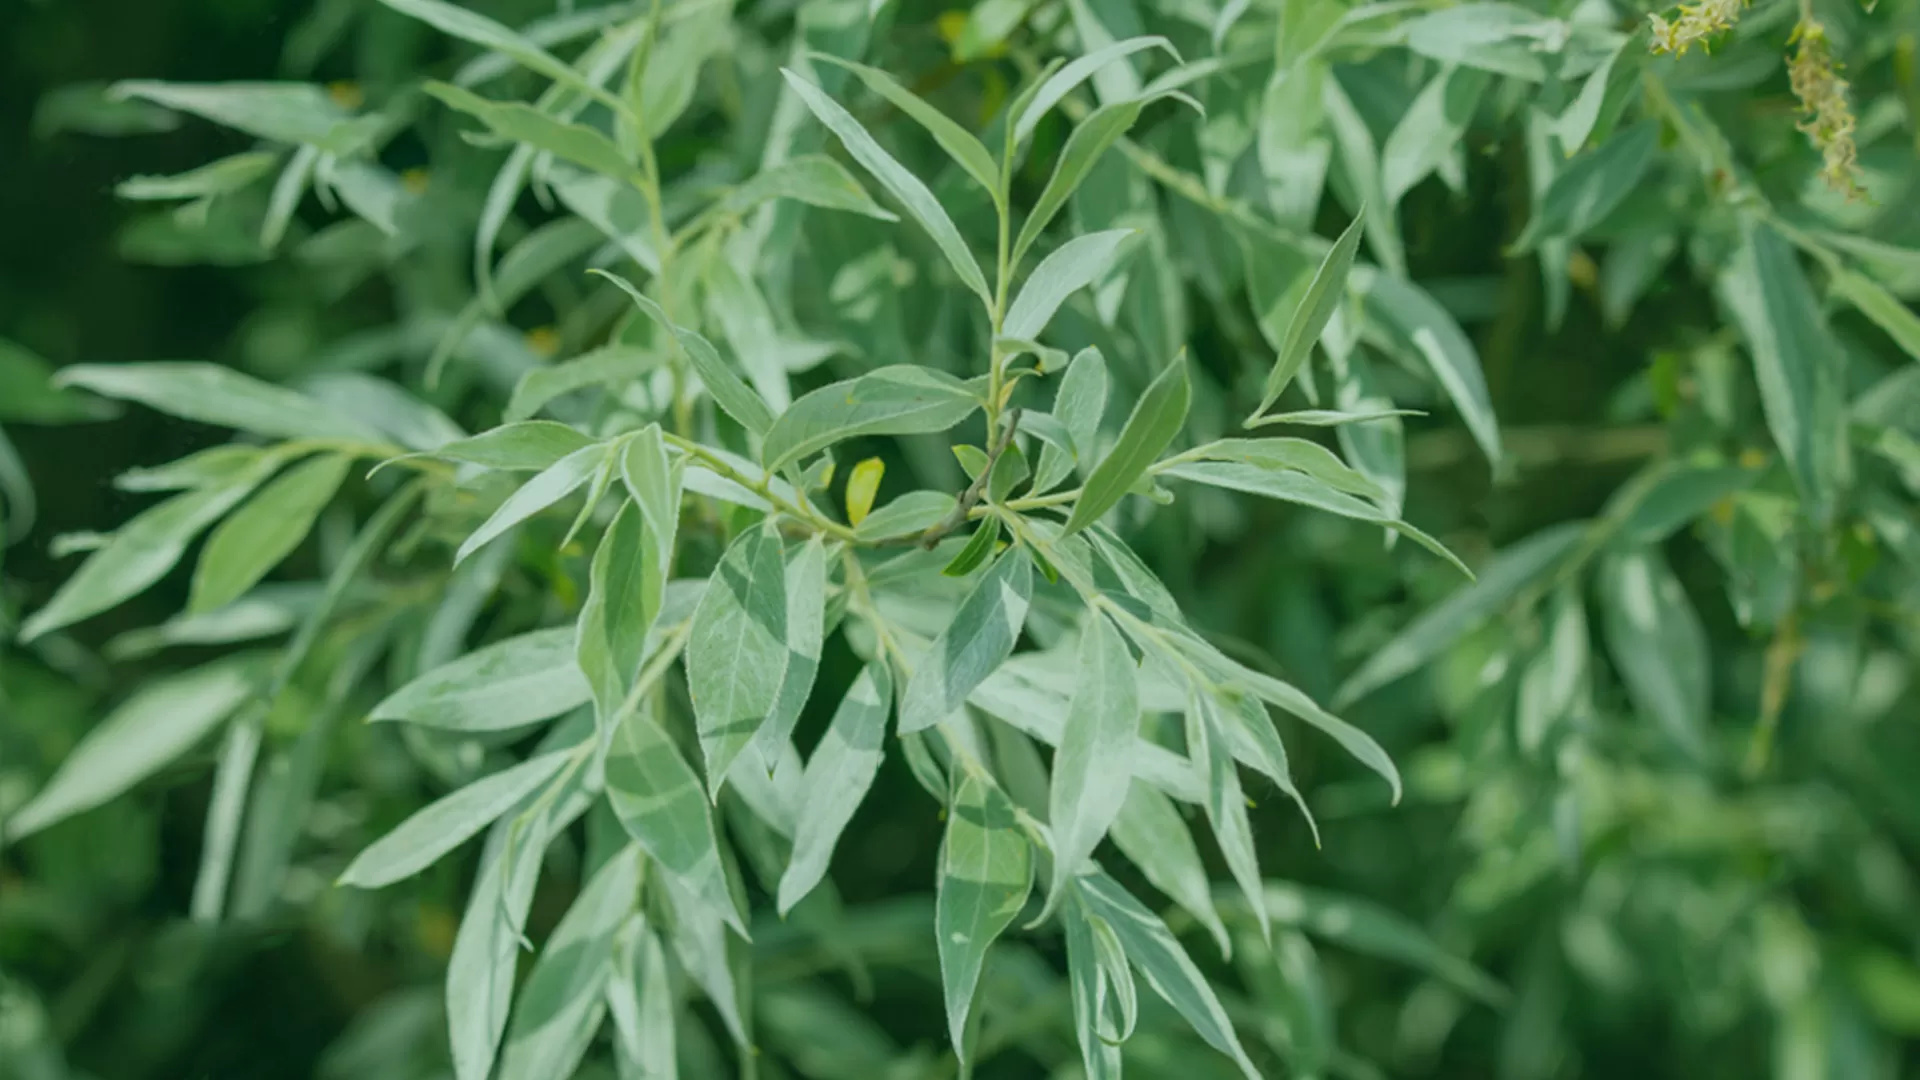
x: 970, y: 497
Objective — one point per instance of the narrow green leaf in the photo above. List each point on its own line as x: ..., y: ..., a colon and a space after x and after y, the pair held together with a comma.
x: 1087, y: 983
x: 1439, y: 628
x: 1155, y: 420
x: 1078, y: 406
x: 980, y: 638
x: 264, y: 531
x: 959, y: 143
x: 728, y: 391
x: 1158, y: 956
x: 1151, y: 834
x: 806, y: 577
x: 524, y: 446
x: 737, y: 648
x: 1208, y: 742
x: 613, y: 366
x: 211, y: 394
x: 1052, y: 90
x: 837, y: 779
x: 497, y: 687
x: 1095, y: 135
x: 641, y: 999
x: 222, y: 177
x: 1093, y: 767
x: 1886, y: 310
x: 1366, y: 927
x: 142, y: 735
x: 144, y: 549
x: 1070, y: 268
x: 555, y: 482
x: 1592, y: 185
x: 1291, y: 455
x: 448, y: 822
x: 986, y: 870
x: 282, y: 112
x: 1496, y: 37
x: 899, y: 400
x: 1796, y: 362
x: 1330, y: 417
x: 814, y: 179
x: 564, y: 1000
x: 893, y: 176
x: 978, y: 549
x: 909, y: 515
x: 524, y: 123
x: 700, y: 941
x: 657, y: 797
x: 624, y: 587
x: 1576, y: 123
x: 1316, y: 308
x: 476, y: 28
x: 1658, y: 645
x: 1431, y: 129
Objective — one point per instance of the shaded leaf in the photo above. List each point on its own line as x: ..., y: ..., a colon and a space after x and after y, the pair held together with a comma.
x: 448, y: 822
x: 986, y: 870
x: 564, y: 999
x: 977, y: 641
x: 1316, y: 307
x: 1657, y: 644
x: 211, y: 394
x: 1156, y: 418
x: 1093, y: 767
x: 657, y: 797
x: 264, y: 531
x: 837, y: 778
x: 555, y: 482
x: 737, y: 653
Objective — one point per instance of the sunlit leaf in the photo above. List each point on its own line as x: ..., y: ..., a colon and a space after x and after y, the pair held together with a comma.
x: 737, y: 652
x: 508, y: 684
x: 899, y: 400
x: 448, y: 822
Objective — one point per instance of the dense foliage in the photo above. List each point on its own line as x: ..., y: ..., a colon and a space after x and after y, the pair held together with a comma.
x: 843, y: 539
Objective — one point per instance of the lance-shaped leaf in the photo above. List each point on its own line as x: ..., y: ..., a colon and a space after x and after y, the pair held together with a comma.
x: 1070, y: 268
x: 1292, y: 455
x: 1437, y: 630
x: 553, y: 483
x: 264, y: 531
x: 1366, y: 927
x: 1309, y: 319
x: 837, y: 778
x: 893, y: 176
x: 1658, y: 645
x: 1430, y: 130
x: 984, y: 630
x: 1079, y: 405
x: 986, y: 870
x: 223, y: 397
x: 523, y: 123
x: 144, y: 549
x: 448, y: 822
x: 505, y: 685
x: 1305, y: 490
x: 806, y: 578
x: 657, y: 797
x: 1095, y: 135
x: 1796, y: 362
x: 1422, y: 331
x: 1152, y: 835
x: 1208, y: 741
x: 959, y: 143
x: 477, y: 28
x: 1093, y: 1000
x: 564, y: 999
x: 624, y: 586
x: 737, y: 648
x: 1886, y: 310
x: 814, y: 179
x: 1592, y: 185
x: 1049, y: 92
x: 138, y: 738
x: 1158, y: 956
x: 729, y: 392
x: 1093, y: 767
x: 525, y: 446
x: 641, y: 1000
x: 1157, y: 417
x: 899, y: 400
x: 284, y: 112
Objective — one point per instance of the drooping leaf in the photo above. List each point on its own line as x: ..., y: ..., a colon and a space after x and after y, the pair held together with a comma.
x: 1426, y: 334
x: 1875, y: 302
x: 1087, y: 983
x: 806, y: 607
x: 1309, y: 320
x: 658, y: 799
x: 497, y: 687
x: 221, y: 396
x: 893, y: 176
x: 221, y: 177
x: 1358, y: 924
x: 977, y: 641
x: 737, y: 651
x: 448, y: 822
x: 523, y: 446
x: 1093, y: 767
x: 1070, y: 268
x: 986, y: 870
x: 899, y: 400
x: 1208, y: 742
x: 814, y: 179
x: 624, y: 588
x: 837, y: 778
x: 142, y: 735
x: 1156, y: 418
x: 282, y: 112
x: 1158, y: 956
x: 264, y: 531
x: 564, y: 999
x: 641, y: 1002
x: 1430, y: 129
x: 523, y: 123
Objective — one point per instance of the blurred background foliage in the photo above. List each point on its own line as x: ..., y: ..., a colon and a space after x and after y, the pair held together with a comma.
x: 1736, y: 902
